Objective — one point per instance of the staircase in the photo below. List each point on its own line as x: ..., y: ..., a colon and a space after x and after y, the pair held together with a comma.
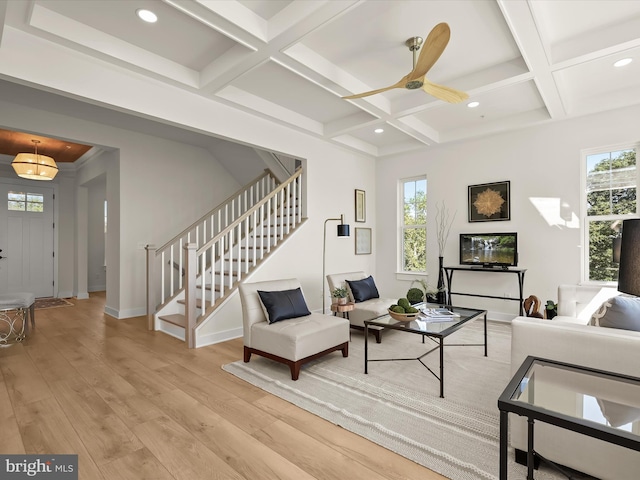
x: 196, y: 272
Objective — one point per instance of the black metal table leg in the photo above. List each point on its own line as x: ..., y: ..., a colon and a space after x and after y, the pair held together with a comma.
x: 485, y: 334
x: 366, y: 346
x: 441, y: 368
x: 504, y: 435
x: 530, y: 460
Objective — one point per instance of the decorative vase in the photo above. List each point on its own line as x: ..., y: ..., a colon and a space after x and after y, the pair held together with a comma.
x: 342, y: 301
x: 442, y: 294
x: 334, y: 300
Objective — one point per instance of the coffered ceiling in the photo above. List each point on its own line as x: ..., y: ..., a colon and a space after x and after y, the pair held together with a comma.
x: 291, y: 61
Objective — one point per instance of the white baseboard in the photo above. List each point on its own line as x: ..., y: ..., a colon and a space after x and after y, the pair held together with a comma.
x: 82, y: 295
x: 218, y: 337
x: 65, y: 295
x: 121, y: 314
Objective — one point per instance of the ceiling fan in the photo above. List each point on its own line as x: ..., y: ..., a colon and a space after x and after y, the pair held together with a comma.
x: 434, y: 46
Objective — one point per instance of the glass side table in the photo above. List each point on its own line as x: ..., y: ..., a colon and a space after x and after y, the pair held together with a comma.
x: 539, y: 391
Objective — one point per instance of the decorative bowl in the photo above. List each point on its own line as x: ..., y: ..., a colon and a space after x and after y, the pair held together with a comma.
x: 403, y: 317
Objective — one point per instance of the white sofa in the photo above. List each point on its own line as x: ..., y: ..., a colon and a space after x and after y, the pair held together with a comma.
x: 569, y: 338
x: 367, y: 310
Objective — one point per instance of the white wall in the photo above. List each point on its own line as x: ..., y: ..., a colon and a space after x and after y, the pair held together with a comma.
x: 96, y: 268
x: 543, y: 166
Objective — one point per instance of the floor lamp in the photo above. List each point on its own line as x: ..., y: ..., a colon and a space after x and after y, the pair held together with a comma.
x: 629, y: 270
x: 343, y: 231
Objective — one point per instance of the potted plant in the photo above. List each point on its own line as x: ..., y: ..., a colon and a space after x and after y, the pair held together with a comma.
x: 339, y: 294
x: 423, y: 294
x: 551, y: 309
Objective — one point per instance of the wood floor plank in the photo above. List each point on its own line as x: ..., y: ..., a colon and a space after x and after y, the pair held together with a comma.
x: 50, y: 363
x: 181, y: 454
x: 123, y: 398
x: 313, y: 456
x: 23, y: 380
x: 10, y: 439
x: 139, y: 465
x: 244, y: 414
x: 104, y: 434
x: 45, y: 429
x: 244, y: 453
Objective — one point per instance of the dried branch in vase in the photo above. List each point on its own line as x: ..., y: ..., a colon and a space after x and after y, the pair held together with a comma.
x: 444, y: 220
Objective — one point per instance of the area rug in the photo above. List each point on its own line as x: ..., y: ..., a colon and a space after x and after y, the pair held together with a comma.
x: 397, y: 405
x: 42, y: 303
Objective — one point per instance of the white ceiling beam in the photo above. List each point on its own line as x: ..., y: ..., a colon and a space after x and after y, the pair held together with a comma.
x: 523, y: 28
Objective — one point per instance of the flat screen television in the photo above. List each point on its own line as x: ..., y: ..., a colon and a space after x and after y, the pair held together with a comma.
x: 489, y: 250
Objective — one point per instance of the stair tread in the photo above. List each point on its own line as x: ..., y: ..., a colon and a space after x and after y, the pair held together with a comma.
x: 175, y: 318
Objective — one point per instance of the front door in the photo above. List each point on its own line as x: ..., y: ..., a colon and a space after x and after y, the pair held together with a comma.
x: 26, y: 239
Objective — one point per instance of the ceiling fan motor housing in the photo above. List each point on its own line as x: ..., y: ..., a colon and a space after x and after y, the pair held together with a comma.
x: 414, y: 84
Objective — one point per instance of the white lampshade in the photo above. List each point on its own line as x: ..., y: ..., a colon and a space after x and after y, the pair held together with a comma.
x: 35, y: 166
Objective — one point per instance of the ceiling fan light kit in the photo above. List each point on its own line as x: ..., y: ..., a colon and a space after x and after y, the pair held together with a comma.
x: 435, y: 44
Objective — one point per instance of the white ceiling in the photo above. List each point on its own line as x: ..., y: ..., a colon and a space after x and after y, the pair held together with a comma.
x: 525, y: 61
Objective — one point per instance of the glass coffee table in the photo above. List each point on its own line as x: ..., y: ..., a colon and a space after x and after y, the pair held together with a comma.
x: 599, y: 404
x: 435, y: 329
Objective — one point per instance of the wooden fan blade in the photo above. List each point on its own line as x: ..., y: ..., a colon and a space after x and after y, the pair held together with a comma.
x: 431, y: 50
x: 400, y: 84
x: 447, y: 94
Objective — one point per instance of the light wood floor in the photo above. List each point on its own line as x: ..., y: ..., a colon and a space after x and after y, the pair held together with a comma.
x: 135, y: 404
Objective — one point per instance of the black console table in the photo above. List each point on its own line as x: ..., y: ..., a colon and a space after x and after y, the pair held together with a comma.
x: 468, y: 268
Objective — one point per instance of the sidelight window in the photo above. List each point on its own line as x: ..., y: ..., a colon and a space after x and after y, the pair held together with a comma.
x: 413, y: 235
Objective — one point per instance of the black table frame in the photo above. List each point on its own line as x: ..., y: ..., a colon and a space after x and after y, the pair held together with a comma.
x: 533, y: 413
x: 437, y: 337
x: 448, y: 271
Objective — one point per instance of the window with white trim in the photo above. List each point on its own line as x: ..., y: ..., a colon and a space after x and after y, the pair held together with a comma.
x: 25, y: 202
x: 413, y: 228
x: 610, y: 195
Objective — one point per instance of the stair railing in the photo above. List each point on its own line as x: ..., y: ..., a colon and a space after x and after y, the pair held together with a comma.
x: 166, y: 265
x: 247, y: 233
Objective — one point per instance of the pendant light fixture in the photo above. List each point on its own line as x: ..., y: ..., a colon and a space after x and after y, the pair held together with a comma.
x: 35, y: 166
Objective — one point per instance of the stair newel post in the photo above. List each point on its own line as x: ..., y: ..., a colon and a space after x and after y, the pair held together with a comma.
x: 190, y: 293
x: 151, y: 290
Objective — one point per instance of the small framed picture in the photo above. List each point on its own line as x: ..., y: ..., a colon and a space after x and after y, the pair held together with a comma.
x: 361, y: 206
x: 363, y: 241
x: 489, y: 202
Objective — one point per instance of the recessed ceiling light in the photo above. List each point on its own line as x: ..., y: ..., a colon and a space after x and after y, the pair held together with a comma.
x: 623, y: 62
x: 379, y: 130
x: 147, y: 15
x: 473, y: 104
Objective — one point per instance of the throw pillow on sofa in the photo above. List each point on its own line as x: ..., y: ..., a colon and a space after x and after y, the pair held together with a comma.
x: 362, y: 290
x: 619, y: 312
x: 283, y: 304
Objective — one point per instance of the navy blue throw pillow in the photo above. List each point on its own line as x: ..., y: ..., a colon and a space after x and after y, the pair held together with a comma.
x: 284, y: 304
x: 363, y: 289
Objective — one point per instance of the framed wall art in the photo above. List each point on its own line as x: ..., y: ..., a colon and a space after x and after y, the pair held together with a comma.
x: 490, y: 202
x: 361, y: 206
x: 363, y: 241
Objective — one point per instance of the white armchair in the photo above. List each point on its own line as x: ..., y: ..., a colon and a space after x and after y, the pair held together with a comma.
x: 293, y: 341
